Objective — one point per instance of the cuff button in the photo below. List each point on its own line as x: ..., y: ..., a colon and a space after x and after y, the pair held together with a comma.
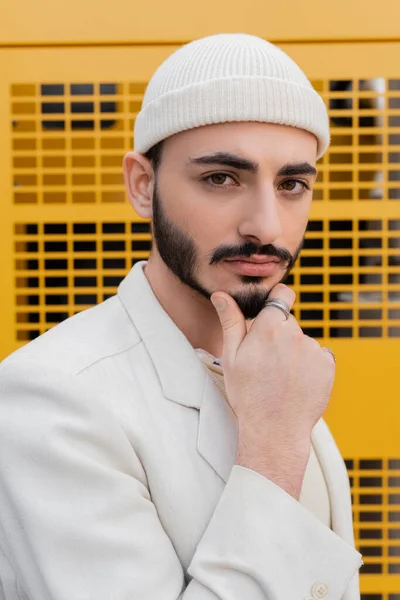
x: 319, y: 590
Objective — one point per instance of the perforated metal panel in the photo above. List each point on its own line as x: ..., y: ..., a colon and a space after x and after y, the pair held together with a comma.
x: 69, y: 237
x: 68, y: 144
x: 63, y: 268
x: 376, y: 509
x: 69, y: 141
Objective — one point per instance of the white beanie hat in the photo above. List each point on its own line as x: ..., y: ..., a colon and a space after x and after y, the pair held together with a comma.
x: 224, y: 78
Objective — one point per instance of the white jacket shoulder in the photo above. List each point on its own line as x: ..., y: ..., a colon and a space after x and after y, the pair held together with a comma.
x: 86, y: 338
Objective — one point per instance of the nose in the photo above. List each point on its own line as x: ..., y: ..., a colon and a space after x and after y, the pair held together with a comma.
x: 261, y: 222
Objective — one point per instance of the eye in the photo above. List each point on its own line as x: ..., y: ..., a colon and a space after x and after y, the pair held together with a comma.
x: 219, y: 180
x: 295, y: 186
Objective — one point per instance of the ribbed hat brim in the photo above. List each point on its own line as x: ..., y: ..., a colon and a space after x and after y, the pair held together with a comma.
x: 262, y: 99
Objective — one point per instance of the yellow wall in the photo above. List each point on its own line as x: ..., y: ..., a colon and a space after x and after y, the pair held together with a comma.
x: 94, y: 21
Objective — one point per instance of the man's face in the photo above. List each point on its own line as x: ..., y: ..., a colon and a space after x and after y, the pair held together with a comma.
x: 230, y: 207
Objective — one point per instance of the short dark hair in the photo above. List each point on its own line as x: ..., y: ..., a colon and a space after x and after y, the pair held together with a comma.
x: 154, y: 155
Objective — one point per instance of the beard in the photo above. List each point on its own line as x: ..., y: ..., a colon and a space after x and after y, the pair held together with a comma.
x: 180, y: 255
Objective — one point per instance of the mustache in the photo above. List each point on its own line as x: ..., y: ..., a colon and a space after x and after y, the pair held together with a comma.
x: 250, y: 249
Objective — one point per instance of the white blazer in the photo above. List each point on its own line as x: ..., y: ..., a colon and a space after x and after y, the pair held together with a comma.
x: 117, y: 475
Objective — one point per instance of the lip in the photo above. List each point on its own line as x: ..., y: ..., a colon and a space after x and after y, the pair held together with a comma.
x: 254, y: 259
x: 253, y: 267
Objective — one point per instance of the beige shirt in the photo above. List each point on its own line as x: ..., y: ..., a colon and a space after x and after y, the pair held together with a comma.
x: 314, y: 492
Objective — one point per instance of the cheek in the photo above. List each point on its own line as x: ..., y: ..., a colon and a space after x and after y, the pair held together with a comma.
x: 294, y: 223
x: 206, y: 220
x: 208, y: 233
x: 183, y: 201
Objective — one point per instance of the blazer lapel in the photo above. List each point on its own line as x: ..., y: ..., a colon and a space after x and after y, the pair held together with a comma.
x: 217, y: 439
x: 183, y: 377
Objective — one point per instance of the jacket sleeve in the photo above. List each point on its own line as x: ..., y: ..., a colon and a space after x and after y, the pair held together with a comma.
x: 77, y: 521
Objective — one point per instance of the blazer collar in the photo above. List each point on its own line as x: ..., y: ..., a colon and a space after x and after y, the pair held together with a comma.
x: 183, y: 377
x: 180, y: 371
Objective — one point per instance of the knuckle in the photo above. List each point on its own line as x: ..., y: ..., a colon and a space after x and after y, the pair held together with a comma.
x: 314, y: 344
x: 311, y: 347
x: 230, y: 324
x: 295, y: 329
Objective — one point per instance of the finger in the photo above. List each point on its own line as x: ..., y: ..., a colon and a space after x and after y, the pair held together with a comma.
x: 232, y: 322
x: 249, y: 323
x: 271, y: 313
x: 283, y: 292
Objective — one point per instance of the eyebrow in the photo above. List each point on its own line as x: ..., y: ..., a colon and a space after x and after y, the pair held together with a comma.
x: 237, y: 162
x: 227, y: 159
x: 297, y: 169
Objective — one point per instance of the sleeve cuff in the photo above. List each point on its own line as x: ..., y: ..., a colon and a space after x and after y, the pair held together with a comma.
x: 271, y: 546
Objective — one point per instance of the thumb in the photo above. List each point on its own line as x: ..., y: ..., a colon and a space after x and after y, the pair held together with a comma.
x: 232, y: 321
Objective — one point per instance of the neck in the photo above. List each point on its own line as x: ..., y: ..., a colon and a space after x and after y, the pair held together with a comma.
x: 193, y: 314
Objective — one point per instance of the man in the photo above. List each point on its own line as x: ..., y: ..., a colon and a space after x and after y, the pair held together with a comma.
x: 168, y: 443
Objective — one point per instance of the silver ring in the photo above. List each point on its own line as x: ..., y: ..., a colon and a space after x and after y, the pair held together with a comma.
x: 330, y: 352
x: 279, y: 304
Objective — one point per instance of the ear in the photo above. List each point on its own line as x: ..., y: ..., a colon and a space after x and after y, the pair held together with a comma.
x: 139, y: 183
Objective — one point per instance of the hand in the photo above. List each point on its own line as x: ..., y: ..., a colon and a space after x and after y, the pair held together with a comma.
x: 278, y: 382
